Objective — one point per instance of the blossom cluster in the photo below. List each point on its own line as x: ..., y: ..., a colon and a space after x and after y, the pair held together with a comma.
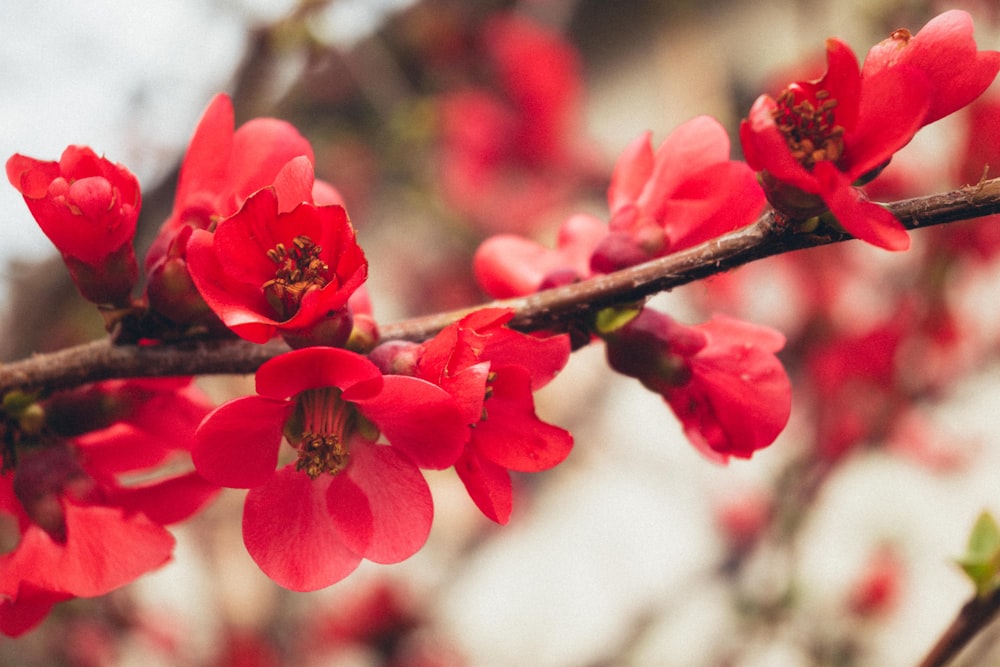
x: 333, y: 445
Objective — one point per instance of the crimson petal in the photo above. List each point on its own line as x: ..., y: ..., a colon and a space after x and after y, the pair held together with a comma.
x: 288, y: 531
x: 398, y: 499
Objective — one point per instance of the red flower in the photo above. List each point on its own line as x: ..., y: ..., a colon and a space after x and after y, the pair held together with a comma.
x: 507, y: 265
x: 264, y: 270
x: 510, y: 153
x: 309, y: 523
x: 878, y: 587
x: 721, y: 378
x: 221, y: 169
x: 88, y: 207
x: 685, y: 193
x: 820, y: 137
x: 492, y: 371
x: 857, y: 385
x: 82, y: 531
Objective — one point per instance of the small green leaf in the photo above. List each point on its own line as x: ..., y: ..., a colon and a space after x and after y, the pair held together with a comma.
x: 609, y: 320
x: 985, y: 538
x: 15, y: 402
x: 981, y: 562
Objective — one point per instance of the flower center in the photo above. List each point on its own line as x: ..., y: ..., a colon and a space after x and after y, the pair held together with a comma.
x: 810, y: 129
x: 299, y: 271
x: 327, y: 423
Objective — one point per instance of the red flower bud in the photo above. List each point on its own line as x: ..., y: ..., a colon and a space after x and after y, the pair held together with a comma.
x: 88, y: 207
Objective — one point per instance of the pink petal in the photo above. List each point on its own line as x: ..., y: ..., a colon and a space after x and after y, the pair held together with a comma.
x: 105, y: 548
x: 294, y: 183
x: 206, y: 163
x: 512, y: 435
x: 243, y: 240
x: 869, y: 222
x: 261, y: 147
x: 842, y: 80
x: 631, y: 172
x: 418, y: 418
x: 945, y: 50
x: 237, y: 444
x: 288, y: 374
x: 884, y: 123
x: 693, y: 146
x: 170, y: 500
x: 507, y: 265
x: 288, y: 531
x: 324, y: 194
x: 226, y: 297
x: 737, y: 401
x: 542, y: 358
x: 712, y: 202
x: 29, y: 607
x: 488, y: 485
x: 730, y: 329
x: 398, y: 497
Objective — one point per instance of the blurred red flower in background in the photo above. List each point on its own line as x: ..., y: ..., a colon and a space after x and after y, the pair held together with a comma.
x: 82, y: 531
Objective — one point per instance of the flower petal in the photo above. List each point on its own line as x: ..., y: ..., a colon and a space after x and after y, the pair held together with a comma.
x: 631, y: 172
x: 237, y: 443
x: 418, y: 418
x: 398, y: 498
x: 488, y: 485
x: 288, y: 532
x: 288, y: 374
x: 105, y: 548
x: 512, y: 435
x: 167, y: 501
x: 862, y: 219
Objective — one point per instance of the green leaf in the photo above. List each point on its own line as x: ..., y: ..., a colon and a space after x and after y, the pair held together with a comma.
x: 609, y: 320
x: 981, y: 562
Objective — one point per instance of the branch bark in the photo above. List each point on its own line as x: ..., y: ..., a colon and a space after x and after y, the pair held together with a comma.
x: 974, y: 616
x: 556, y: 309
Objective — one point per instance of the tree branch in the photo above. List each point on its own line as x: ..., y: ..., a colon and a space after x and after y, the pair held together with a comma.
x: 555, y: 309
x: 975, y: 615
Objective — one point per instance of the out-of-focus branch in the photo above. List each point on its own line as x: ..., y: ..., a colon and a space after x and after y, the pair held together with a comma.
x: 975, y: 615
x: 556, y: 309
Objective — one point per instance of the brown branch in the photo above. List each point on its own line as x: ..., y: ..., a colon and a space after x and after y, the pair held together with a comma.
x: 555, y: 309
x: 975, y: 615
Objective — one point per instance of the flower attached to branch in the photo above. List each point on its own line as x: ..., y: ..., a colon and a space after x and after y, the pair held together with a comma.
x: 264, y: 271
x: 819, y: 139
x: 491, y: 371
x: 686, y: 192
x: 721, y: 378
x: 221, y: 170
x: 345, y: 497
x: 507, y: 265
x: 88, y: 207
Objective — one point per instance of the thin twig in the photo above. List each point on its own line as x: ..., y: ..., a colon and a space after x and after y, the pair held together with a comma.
x: 554, y: 309
x: 975, y: 615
